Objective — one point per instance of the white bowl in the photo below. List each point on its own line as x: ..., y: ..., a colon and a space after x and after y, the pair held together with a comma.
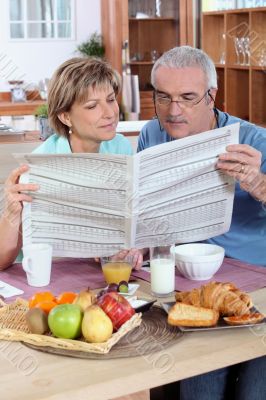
x: 198, y: 261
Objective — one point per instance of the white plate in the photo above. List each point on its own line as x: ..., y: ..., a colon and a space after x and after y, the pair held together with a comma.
x: 132, y: 288
x: 141, y: 304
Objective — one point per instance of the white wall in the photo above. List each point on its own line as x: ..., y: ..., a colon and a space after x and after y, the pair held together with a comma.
x: 35, y: 60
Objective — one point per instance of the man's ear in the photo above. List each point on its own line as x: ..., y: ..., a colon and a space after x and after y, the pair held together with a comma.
x: 212, y: 96
x: 64, y: 118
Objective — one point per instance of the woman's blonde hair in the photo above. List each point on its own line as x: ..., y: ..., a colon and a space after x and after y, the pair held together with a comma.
x: 70, y: 83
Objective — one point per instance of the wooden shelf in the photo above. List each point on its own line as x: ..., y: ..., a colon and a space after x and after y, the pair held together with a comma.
x: 258, y: 68
x: 144, y: 35
x: 26, y: 108
x: 238, y: 66
x: 141, y: 62
x: 151, y: 19
x: 241, y: 88
x: 218, y: 65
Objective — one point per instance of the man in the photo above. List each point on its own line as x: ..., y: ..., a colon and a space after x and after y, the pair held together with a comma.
x: 185, y: 87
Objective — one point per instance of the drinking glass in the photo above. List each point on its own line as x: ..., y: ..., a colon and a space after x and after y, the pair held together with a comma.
x: 154, y: 55
x: 262, y: 58
x: 222, y: 58
x: 246, y: 46
x: 162, y: 267
x: 43, y: 88
x: 116, y: 269
x: 236, y: 39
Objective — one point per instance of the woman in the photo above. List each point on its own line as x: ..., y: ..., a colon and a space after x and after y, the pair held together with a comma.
x: 84, y: 112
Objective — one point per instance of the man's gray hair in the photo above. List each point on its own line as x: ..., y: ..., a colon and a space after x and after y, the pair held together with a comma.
x: 186, y: 56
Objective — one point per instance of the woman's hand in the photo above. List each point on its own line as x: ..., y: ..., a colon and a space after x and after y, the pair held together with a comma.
x: 243, y: 163
x: 14, y: 194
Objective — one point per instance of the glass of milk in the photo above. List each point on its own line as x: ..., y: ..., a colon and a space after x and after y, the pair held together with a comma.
x: 162, y: 267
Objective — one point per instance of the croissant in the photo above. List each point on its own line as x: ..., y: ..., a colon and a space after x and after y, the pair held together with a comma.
x: 223, y: 297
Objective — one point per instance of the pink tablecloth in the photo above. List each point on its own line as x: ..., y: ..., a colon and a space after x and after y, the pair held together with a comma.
x: 246, y: 277
x: 76, y: 274
x: 67, y: 275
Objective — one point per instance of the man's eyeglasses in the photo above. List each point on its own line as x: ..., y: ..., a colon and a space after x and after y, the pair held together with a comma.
x: 164, y: 100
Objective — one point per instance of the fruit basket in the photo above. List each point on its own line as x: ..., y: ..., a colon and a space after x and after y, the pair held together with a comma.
x: 13, y: 327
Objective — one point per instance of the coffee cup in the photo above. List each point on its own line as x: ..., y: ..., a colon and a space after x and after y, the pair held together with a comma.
x: 37, y: 261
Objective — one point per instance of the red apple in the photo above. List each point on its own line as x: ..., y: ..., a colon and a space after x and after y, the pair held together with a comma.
x: 116, y: 307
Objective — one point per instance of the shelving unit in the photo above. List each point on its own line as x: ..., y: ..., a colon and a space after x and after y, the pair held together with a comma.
x: 119, y: 23
x: 241, y: 88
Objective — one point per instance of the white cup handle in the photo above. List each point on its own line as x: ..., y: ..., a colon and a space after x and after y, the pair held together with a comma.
x: 27, y: 264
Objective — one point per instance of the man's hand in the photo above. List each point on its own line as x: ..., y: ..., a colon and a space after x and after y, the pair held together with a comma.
x: 137, y: 257
x: 243, y: 163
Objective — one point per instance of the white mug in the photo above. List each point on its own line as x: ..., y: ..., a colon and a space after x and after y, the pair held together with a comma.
x: 37, y: 261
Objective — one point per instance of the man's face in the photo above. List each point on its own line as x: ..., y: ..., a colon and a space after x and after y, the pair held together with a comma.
x: 181, y: 120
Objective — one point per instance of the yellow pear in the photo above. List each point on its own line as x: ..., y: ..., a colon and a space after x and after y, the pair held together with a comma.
x: 96, y: 325
x: 85, y: 299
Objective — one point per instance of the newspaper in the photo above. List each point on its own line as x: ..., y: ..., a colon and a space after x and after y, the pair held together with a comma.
x: 91, y: 205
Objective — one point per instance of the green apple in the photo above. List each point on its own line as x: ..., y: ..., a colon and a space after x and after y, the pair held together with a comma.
x: 65, y: 321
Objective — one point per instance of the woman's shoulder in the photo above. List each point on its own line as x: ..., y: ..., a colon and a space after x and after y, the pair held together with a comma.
x: 118, y: 145
x: 55, y: 144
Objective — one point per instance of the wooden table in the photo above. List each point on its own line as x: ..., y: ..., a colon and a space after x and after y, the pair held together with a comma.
x: 26, y: 374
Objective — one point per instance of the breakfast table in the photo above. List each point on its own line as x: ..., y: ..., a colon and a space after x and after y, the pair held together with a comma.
x: 28, y: 374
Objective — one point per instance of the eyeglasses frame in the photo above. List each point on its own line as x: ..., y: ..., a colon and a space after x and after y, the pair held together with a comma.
x: 182, y: 101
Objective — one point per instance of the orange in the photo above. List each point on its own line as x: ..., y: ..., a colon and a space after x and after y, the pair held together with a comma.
x: 66, y: 297
x: 46, y: 306
x: 39, y: 297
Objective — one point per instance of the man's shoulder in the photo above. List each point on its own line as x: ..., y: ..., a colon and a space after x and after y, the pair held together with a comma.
x: 249, y: 132
x: 151, y: 135
x: 152, y: 125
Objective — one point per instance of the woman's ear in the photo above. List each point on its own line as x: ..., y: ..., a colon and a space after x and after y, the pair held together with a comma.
x: 64, y: 118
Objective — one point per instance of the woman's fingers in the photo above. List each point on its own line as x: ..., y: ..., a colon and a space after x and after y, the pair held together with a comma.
x: 15, y: 174
x: 23, y: 187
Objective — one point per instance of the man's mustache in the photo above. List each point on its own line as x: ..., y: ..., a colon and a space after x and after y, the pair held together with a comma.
x: 176, y: 120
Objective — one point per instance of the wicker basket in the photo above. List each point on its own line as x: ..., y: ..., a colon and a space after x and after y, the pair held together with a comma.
x: 13, y: 327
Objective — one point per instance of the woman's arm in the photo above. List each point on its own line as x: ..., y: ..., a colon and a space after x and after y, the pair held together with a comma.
x: 10, y: 221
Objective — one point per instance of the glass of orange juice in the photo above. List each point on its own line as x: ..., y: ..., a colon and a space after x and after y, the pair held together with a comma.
x: 116, y: 269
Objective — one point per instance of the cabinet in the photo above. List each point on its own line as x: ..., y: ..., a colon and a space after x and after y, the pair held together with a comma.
x: 241, y: 77
x: 164, y: 27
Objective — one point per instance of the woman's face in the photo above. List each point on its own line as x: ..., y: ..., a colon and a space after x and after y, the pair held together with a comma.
x: 96, y: 118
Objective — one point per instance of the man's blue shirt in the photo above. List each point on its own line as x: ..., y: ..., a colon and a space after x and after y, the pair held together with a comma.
x: 246, y: 239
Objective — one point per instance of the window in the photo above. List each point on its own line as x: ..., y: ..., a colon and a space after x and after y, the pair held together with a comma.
x: 41, y: 19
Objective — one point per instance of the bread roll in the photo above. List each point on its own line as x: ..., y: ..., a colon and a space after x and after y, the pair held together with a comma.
x: 223, y: 297
x: 187, y: 315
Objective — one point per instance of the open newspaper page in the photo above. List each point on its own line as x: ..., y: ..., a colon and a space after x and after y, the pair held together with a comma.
x: 81, y: 207
x: 90, y: 205
x: 181, y: 196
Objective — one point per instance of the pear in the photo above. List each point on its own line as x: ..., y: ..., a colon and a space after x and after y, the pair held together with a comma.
x: 85, y: 299
x: 96, y: 325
